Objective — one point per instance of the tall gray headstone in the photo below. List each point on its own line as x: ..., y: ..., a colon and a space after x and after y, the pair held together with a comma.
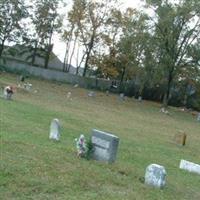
x: 105, y: 146
x: 55, y: 130
x: 155, y: 175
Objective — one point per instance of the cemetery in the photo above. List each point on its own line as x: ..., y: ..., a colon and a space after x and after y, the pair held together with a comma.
x: 137, y: 151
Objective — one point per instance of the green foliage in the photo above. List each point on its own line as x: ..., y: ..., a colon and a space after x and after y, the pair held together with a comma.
x: 90, y: 149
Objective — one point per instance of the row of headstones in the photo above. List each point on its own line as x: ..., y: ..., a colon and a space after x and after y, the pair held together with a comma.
x: 105, y: 149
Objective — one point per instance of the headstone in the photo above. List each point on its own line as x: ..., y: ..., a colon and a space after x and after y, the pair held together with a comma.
x: 180, y: 138
x: 189, y: 166
x: 76, y: 85
x: 198, y: 117
x: 121, y: 97
x: 140, y: 98
x: 107, y: 92
x: 155, y: 175
x: 163, y: 110
x: 22, y: 78
x: 8, y: 92
x: 91, y: 94
x: 69, y: 94
x: 28, y: 86
x: 54, y: 130
x: 105, y: 146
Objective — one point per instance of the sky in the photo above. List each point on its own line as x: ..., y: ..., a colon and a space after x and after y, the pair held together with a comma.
x: 59, y: 47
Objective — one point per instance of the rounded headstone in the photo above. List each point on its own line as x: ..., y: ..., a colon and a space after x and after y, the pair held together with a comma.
x: 155, y: 175
x: 55, y: 130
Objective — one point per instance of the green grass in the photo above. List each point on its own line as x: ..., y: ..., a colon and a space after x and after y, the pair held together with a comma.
x: 33, y: 167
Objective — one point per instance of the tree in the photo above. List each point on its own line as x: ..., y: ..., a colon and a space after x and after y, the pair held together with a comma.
x: 46, y: 21
x: 177, y: 28
x: 11, y: 14
x: 89, y: 18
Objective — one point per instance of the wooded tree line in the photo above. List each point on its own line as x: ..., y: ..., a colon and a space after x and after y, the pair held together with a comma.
x: 155, y: 48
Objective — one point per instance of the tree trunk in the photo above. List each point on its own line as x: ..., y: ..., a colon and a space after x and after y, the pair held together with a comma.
x: 49, y: 49
x: 70, y: 60
x: 167, y: 92
x: 122, y: 76
x: 66, y: 57
x: 34, y: 54
x: 1, y: 47
x: 88, y: 54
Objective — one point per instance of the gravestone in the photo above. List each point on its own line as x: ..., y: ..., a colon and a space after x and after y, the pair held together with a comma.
x: 69, y: 94
x: 55, y: 130
x: 121, y: 97
x: 180, y: 139
x: 28, y: 86
x: 155, y: 175
x: 105, y: 146
x: 91, y: 94
x: 140, y: 98
x: 189, y: 166
x: 198, y: 117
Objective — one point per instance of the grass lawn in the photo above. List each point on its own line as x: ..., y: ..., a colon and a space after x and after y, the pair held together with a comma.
x: 33, y: 167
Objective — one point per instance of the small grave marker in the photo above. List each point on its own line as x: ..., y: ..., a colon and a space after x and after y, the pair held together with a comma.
x: 55, y: 130
x: 198, y: 117
x: 91, y: 94
x: 180, y: 138
x: 189, y: 166
x: 155, y: 175
x: 121, y: 97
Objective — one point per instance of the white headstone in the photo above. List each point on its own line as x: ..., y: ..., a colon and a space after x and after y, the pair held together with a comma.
x: 91, y: 94
x: 140, y: 98
x: 189, y: 166
x: 155, y: 175
x: 69, y: 94
x: 54, y: 130
x: 28, y: 86
x: 121, y: 97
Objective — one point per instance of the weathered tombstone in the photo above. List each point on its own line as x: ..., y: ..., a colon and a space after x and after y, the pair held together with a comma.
x: 140, y: 98
x: 22, y: 78
x: 180, y: 138
x: 155, y: 175
x: 54, y: 130
x: 8, y: 92
x: 91, y: 94
x: 76, y: 85
x: 28, y: 86
x: 69, y: 94
x: 198, y: 117
x: 107, y: 92
x: 105, y: 146
x: 189, y: 166
x: 121, y: 97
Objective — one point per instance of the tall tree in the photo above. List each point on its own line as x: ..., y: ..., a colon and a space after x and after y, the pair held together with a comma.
x: 177, y: 28
x: 89, y: 18
x: 11, y: 14
x: 46, y: 21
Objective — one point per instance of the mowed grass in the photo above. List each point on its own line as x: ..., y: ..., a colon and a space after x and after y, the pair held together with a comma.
x: 33, y: 167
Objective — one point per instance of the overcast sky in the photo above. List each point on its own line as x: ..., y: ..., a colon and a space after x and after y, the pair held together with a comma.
x: 59, y: 47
